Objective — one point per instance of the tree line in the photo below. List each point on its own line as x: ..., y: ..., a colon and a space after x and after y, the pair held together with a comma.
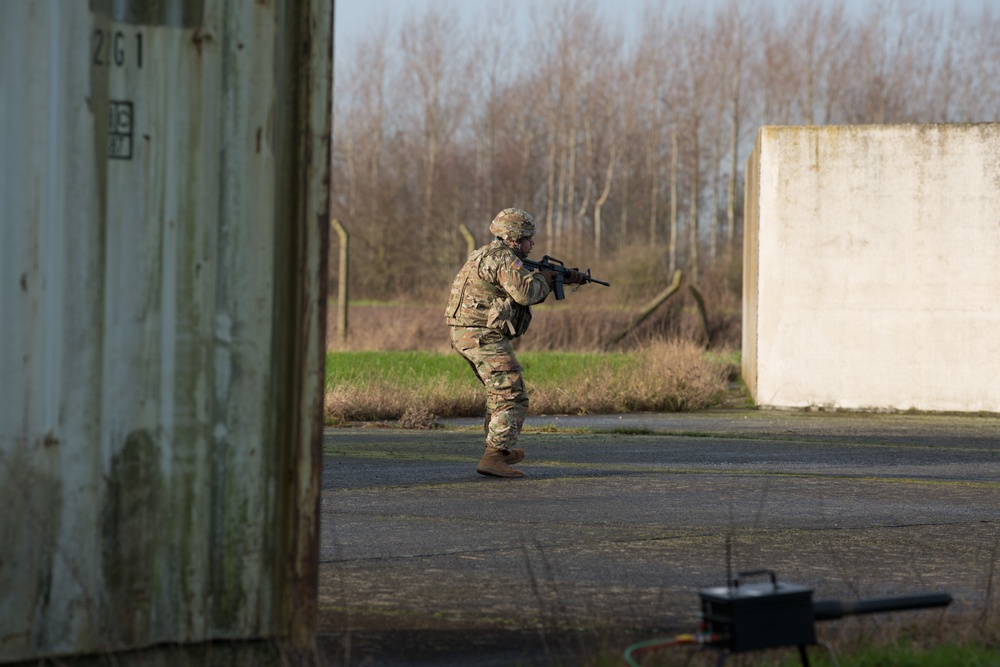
x: 619, y: 147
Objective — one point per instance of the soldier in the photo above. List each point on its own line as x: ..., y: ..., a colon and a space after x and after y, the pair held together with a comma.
x: 489, y: 305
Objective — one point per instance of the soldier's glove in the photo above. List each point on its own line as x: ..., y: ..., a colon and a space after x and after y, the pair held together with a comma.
x: 573, y: 277
x: 550, y: 278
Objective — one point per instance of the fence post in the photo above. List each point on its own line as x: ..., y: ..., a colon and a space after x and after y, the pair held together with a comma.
x: 342, y: 282
x: 469, y: 238
x: 702, y: 313
x: 650, y: 307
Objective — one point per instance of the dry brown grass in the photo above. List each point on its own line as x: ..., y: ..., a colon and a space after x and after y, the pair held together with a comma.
x: 674, y: 374
x: 669, y: 376
x: 661, y: 376
x: 583, y: 322
x: 381, y: 400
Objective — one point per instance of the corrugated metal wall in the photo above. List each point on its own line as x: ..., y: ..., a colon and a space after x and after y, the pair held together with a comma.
x: 163, y: 222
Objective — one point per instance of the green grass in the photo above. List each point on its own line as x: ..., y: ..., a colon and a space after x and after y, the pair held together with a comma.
x: 889, y: 652
x: 412, y: 368
x: 911, y: 656
x: 402, y: 367
x: 903, y: 654
x: 570, y: 367
x: 424, y: 367
x: 385, y: 385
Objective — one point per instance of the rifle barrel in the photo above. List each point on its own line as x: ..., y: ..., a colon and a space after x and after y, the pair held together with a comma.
x: 551, y: 264
x: 826, y: 610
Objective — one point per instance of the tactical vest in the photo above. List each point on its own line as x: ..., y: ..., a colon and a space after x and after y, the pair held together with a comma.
x: 477, y: 302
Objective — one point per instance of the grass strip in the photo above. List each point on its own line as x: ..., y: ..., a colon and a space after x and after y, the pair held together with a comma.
x: 417, y: 387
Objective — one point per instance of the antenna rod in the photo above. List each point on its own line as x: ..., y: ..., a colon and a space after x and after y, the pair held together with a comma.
x: 827, y: 610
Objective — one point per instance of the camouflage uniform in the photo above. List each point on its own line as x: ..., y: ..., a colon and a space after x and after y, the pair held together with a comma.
x: 489, y: 305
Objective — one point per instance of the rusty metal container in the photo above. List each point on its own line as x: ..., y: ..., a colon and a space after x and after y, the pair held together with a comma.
x: 163, y: 233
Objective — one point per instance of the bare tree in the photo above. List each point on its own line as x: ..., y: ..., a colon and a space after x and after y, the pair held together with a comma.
x: 775, y: 72
x: 890, y: 45
x: 674, y: 175
x: 437, y: 71
x: 818, y: 32
x: 736, y: 32
x: 574, y: 42
x: 508, y: 130
x: 981, y: 92
x: 692, y: 100
x: 964, y: 87
x: 614, y: 108
x: 361, y: 119
x: 654, y: 93
x: 615, y: 146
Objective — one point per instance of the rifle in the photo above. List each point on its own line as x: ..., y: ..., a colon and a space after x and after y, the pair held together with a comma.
x: 552, y: 264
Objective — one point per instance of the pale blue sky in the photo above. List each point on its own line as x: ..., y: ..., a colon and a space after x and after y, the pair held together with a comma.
x: 358, y: 16
x: 355, y: 17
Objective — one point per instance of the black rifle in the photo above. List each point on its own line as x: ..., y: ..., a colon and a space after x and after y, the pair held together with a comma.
x: 552, y: 264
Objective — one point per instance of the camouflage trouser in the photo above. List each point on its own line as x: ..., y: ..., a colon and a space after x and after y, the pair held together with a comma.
x: 492, y: 358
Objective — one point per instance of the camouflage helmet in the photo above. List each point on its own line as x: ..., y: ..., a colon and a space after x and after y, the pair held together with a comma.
x: 513, y: 224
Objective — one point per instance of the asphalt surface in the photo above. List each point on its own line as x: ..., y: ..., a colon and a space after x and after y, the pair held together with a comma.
x: 620, y: 521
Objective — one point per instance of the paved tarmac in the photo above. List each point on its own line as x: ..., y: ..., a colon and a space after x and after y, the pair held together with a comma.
x: 621, y: 520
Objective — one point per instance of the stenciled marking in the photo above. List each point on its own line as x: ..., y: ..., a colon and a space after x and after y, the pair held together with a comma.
x: 115, y: 48
x: 120, y: 129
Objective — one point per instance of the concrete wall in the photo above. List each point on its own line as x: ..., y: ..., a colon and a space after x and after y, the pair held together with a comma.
x: 872, y: 267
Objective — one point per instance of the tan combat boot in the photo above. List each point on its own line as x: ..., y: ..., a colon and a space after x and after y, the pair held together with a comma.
x: 512, y: 455
x: 493, y: 464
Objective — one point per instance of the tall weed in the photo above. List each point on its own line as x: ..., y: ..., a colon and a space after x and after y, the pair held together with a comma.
x: 407, y: 370
x: 417, y: 387
x: 587, y: 320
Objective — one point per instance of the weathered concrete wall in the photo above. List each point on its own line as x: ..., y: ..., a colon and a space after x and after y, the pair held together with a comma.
x: 872, y: 267
x: 163, y: 221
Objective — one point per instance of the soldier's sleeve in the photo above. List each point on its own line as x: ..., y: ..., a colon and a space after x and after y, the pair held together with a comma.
x: 523, y: 286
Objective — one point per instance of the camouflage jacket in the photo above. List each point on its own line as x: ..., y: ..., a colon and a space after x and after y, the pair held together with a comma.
x: 495, y: 290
